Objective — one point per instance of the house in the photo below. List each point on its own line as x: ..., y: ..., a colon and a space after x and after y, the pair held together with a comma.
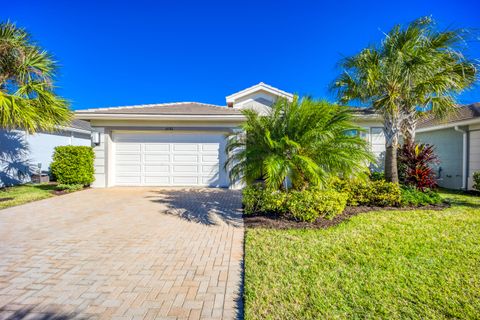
x: 22, y: 154
x: 182, y: 143
x: 457, y: 144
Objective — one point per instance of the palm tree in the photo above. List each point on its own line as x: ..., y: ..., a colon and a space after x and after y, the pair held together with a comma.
x: 304, y: 141
x: 414, y: 69
x: 27, y: 97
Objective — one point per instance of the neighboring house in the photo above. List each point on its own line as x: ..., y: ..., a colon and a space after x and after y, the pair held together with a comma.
x: 22, y: 155
x: 457, y: 143
x: 182, y: 144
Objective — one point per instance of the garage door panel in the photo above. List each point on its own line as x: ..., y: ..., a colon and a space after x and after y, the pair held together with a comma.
x: 163, y: 159
x: 185, y: 180
x: 210, y: 147
x: 157, y: 180
x: 185, y: 158
x: 210, y: 158
x: 129, y: 147
x: 210, y: 169
x: 155, y: 158
x: 136, y: 180
x: 128, y: 168
x: 160, y: 147
x: 185, y: 168
x: 157, y: 168
x: 128, y: 157
x: 185, y: 147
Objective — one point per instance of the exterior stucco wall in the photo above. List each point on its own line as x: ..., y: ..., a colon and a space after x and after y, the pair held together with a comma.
x: 21, y: 153
x: 449, y: 148
x: 473, y: 153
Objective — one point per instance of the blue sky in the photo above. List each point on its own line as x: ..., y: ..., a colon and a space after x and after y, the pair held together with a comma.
x: 120, y: 53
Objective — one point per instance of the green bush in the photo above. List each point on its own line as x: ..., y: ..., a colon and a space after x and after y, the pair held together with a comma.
x: 309, y: 205
x: 476, y: 180
x: 368, y: 193
x: 375, y: 176
x: 412, y: 196
x: 69, y: 187
x: 256, y: 199
x: 73, y: 165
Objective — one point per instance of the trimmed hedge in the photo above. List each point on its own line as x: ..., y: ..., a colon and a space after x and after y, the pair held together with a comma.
x: 307, y: 205
x: 377, y: 193
x: 73, y: 165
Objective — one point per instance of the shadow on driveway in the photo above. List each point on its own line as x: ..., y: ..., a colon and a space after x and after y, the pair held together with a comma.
x: 31, y: 314
x: 204, y: 206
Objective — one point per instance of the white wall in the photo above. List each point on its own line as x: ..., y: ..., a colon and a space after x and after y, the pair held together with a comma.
x: 21, y: 153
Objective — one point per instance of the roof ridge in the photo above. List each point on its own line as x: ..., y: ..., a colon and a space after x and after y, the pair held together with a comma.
x: 149, y: 105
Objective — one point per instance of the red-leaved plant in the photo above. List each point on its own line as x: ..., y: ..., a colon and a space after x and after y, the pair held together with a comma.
x: 414, y: 165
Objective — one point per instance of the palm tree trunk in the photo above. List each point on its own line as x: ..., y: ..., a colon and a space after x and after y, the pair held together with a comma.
x: 409, y: 127
x: 392, y: 126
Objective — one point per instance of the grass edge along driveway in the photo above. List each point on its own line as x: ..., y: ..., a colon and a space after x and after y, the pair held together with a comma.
x: 385, y: 264
x: 17, y: 195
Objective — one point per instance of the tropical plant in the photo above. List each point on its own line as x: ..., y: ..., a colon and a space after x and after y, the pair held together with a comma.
x: 302, y: 142
x: 414, y: 69
x: 415, y: 161
x: 476, y: 180
x: 27, y: 97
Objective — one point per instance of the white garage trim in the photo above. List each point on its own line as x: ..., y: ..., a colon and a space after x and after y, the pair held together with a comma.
x: 169, y: 158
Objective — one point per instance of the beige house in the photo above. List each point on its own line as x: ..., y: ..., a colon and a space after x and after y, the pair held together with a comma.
x: 182, y: 143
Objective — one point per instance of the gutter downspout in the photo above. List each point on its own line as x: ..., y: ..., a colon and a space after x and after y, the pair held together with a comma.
x: 464, y: 157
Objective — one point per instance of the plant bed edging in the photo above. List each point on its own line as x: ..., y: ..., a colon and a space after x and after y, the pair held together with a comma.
x: 271, y: 221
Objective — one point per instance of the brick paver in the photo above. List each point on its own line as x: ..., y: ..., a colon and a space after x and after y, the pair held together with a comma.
x: 123, y: 253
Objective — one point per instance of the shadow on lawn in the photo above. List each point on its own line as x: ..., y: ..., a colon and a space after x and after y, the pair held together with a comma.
x: 204, y: 206
x: 32, y: 314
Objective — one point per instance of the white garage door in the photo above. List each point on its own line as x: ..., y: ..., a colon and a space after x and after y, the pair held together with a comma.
x: 169, y: 159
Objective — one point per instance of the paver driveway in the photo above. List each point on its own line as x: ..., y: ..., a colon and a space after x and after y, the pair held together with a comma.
x: 126, y: 253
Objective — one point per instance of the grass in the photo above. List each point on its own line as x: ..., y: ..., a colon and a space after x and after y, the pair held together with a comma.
x: 14, y: 196
x: 387, y: 264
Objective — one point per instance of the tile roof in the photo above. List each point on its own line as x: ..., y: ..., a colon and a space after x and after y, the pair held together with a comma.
x: 177, y: 108
x: 80, y: 124
x: 462, y: 113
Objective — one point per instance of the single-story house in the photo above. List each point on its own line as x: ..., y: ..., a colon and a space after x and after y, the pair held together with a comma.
x: 457, y: 144
x: 182, y: 143
x: 22, y: 154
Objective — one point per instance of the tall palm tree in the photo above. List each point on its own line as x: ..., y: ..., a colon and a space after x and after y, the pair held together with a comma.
x: 434, y: 68
x: 304, y: 141
x: 27, y: 97
x: 415, y: 69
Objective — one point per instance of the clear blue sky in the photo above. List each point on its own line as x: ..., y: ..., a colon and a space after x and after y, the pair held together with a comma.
x: 118, y: 53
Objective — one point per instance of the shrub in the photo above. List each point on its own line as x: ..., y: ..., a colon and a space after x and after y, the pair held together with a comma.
x: 309, y: 205
x: 375, y: 175
x: 256, y: 199
x: 414, y: 165
x: 368, y: 193
x: 73, y: 165
x: 69, y: 187
x: 476, y: 180
x: 412, y: 196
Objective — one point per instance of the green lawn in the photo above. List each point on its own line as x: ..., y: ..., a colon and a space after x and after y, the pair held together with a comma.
x: 386, y: 264
x: 14, y: 196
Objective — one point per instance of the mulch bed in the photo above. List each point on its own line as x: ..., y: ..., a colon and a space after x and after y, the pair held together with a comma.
x: 275, y: 222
